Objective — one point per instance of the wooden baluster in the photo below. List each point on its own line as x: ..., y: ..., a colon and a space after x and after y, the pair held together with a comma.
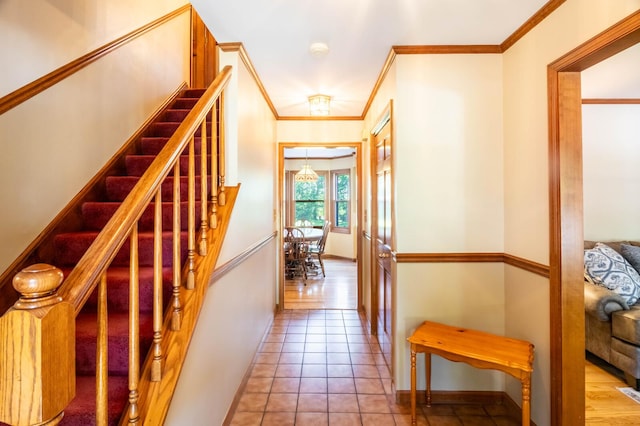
x: 213, y: 218
x: 156, y: 365
x: 176, y: 316
x: 102, y: 359
x: 204, y: 219
x: 134, y: 328
x: 37, y: 361
x: 191, y: 213
x: 222, y: 197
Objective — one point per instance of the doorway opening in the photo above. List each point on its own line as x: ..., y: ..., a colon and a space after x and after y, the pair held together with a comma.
x: 566, y: 215
x: 332, y: 279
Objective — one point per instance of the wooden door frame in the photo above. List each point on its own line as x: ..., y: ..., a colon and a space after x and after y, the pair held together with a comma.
x: 566, y: 215
x: 359, y: 209
x: 373, y: 273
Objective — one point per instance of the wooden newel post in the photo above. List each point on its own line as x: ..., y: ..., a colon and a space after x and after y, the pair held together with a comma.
x: 37, y: 357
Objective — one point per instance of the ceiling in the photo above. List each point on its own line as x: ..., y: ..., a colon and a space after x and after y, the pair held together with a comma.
x: 277, y: 35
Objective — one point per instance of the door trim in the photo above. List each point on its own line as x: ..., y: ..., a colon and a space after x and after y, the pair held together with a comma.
x: 566, y: 215
x: 281, y: 211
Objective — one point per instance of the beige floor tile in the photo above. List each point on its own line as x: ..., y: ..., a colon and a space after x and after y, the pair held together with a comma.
x: 405, y: 420
x: 288, y: 370
x: 344, y: 419
x: 313, y: 385
x: 343, y: 403
x: 267, y: 358
x: 369, y: 419
x: 259, y: 385
x: 312, y: 402
x: 282, y: 402
x: 312, y: 419
x: 263, y: 370
x: 279, y: 419
x: 314, y: 370
x: 315, y: 358
x: 246, y: 419
x: 286, y: 385
x: 339, y: 358
x: 376, y: 404
x: 341, y: 385
x: 291, y: 358
x: 372, y: 386
x: 366, y: 371
x: 444, y: 420
x: 339, y: 370
x: 252, y: 402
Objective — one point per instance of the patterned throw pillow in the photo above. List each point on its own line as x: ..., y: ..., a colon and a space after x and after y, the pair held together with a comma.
x: 608, y: 268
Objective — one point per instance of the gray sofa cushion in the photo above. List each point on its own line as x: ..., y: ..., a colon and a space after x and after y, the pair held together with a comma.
x: 632, y: 254
x: 625, y: 325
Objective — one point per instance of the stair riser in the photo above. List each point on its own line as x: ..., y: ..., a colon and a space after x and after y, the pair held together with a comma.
x: 167, y: 129
x: 118, y: 187
x: 96, y: 215
x: 153, y: 145
x: 138, y: 164
x: 71, y: 247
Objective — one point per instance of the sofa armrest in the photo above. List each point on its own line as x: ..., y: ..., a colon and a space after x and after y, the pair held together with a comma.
x: 601, y: 302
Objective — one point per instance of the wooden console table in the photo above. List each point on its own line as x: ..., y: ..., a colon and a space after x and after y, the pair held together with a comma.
x: 476, y: 348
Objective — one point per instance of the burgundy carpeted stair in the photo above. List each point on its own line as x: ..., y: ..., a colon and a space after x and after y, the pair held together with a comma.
x: 70, y: 247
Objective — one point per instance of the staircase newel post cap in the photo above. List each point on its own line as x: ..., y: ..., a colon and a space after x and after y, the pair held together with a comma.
x: 37, y: 285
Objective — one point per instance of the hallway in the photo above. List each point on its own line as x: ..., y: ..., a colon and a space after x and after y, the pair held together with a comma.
x: 321, y: 367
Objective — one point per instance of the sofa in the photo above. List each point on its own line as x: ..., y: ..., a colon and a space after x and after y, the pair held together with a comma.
x: 612, y: 305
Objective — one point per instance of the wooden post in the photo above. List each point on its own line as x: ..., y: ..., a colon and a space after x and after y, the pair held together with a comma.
x: 222, y: 196
x: 37, y: 360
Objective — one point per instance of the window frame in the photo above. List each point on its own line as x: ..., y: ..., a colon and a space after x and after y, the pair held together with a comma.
x: 290, y: 190
x: 334, y: 202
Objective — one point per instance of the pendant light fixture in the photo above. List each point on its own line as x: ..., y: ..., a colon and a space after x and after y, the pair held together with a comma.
x: 306, y: 173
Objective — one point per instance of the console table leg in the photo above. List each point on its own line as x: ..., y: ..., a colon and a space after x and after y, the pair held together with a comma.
x: 413, y: 386
x: 427, y: 373
x: 526, y: 400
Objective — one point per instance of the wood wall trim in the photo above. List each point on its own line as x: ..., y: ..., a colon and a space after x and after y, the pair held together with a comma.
x: 30, y: 90
x: 391, y: 57
x: 239, y: 47
x: 527, y: 265
x: 509, y: 259
x: 240, y: 258
x: 612, y: 101
x: 323, y: 118
x: 538, y: 17
x: 447, y: 49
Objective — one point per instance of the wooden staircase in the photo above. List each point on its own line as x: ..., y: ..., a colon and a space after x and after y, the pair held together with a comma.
x: 135, y: 269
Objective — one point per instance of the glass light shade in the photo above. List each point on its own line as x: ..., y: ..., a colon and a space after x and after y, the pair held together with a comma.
x: 319, y: 104
x: 306, y: 174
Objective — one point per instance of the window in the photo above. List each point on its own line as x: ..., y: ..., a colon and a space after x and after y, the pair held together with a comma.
x: 308, y: 205
x: 341, y: 201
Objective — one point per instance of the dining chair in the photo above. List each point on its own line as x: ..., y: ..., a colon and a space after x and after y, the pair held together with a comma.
x: 295, y: 253
x: 316, y: 250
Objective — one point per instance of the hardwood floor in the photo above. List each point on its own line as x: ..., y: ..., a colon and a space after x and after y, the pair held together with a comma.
x: 604, y: 403
x: 337, y: 291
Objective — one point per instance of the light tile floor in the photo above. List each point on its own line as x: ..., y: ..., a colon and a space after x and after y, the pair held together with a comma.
x: 321, y: 367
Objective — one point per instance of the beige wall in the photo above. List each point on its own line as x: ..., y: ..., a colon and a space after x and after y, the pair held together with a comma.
x: 448, y: 198
x: 239, y: 307
x: 56, y: 141
x: 611, y: 175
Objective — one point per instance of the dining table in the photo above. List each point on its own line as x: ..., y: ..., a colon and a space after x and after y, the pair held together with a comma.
x: 310, y: 234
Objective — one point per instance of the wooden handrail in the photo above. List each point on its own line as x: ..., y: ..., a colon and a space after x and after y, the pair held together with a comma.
x: 83, y: 279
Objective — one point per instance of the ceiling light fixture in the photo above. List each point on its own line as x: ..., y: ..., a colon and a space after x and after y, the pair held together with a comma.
x: 306, y: 173
x: 319, y: 49
x: 319, y: 104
